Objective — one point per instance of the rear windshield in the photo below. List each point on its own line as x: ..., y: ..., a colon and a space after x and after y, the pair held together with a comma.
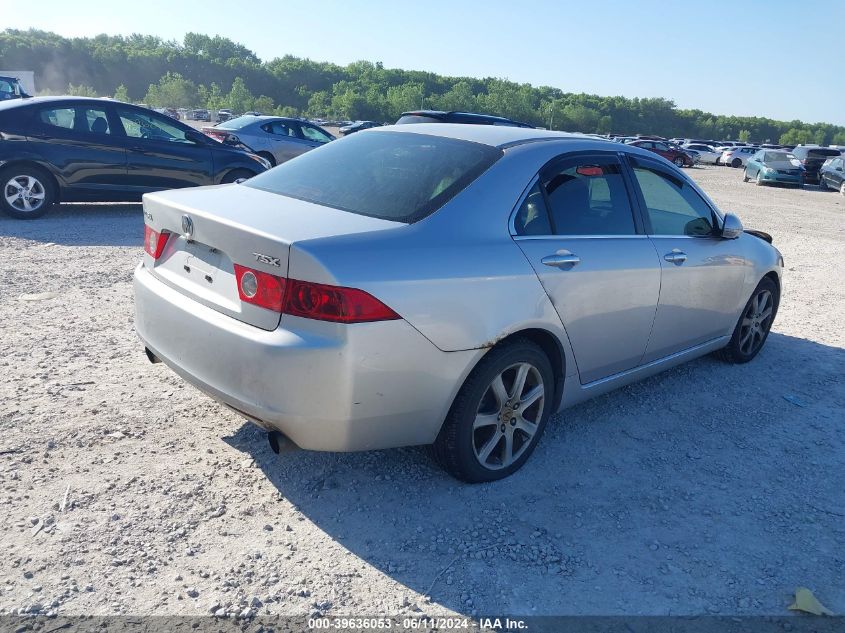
x: 822, y: 153
x: 778, y: 157
x: 237, y: 123
x: 389, y: 175
x: 417, y: 118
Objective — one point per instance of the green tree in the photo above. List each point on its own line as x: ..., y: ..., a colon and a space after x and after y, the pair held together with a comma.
x: 120, y: 94
x: 211, y: 98
x: 744, y: 136
x: 287, y: 111
x: 319, y: 104
x: 172, y: 91
x: 239, y: 99
x: 263, y: 104
x: 408, y: 96
x: 796, y: 136
x: 460, y: 97
x: 81, y: 91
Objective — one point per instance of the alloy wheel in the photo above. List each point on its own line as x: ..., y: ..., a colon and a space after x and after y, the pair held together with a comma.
x: 756, y: 322
x: 508, y: 416
x: 842, y: 189
x: 24, y: 193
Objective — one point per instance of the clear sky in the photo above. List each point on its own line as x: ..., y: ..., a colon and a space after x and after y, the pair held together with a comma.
x: 776, y: 58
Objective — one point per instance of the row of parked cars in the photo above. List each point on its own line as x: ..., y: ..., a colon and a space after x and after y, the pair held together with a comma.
x: 765, y: 163
x: 82, y: 149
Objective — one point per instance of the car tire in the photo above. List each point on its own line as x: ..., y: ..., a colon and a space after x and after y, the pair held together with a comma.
x: 237, y: 176
x: 759, y: 180
x: 268, y: 157
x: 679, y: 161
x: 486, y: 436
x: 745, y: 176
x: 736, y: 163
x: 718, y: 161
x: 822, y: 183
x: 27, y: 192
x: 754, y: 324
x: 842, y: 189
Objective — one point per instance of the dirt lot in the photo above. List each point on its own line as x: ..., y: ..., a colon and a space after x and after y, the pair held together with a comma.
x: 709, y: 489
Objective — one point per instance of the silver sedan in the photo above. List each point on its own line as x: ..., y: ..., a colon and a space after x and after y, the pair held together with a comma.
x: 444, y: 284
x: 277, y: 139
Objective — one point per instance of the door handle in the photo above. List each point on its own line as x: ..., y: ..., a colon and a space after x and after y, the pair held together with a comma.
x: 676, y: 257
x: 562, y: 259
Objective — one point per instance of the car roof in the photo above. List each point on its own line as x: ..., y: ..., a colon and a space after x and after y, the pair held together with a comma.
x: 458, y: 114
x: 500, y: 136
x: 18, y: 103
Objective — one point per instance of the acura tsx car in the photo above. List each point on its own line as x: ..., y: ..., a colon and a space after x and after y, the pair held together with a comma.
x: 449, y: 285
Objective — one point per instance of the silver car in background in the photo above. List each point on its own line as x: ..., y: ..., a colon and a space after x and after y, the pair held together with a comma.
x: 707, y: 154
x: 277, y: 139
x: 444, y: 284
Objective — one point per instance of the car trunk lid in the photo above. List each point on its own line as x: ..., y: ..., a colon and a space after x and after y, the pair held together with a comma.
x: 210, y: 229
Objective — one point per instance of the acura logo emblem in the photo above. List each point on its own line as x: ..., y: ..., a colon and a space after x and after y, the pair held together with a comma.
x: 187, y: 226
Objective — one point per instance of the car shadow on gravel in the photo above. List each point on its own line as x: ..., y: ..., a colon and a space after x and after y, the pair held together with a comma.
x: 81, y: 224
x: 706, y: 489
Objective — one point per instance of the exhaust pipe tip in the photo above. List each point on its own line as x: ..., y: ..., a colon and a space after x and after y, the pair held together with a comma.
x: 151, y: 357
x: 279, y: 442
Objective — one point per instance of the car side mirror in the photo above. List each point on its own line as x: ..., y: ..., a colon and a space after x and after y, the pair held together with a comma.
x: 196, y: 137
x: 731, y: 227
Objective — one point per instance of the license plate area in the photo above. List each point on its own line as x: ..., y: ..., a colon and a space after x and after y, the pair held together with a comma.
x: 201, y: 262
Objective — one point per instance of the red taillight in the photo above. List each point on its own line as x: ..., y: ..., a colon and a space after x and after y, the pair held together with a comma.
x: 261, y: 289
x: 334, y: 303
x: 154, y: 242
x: 309, y: 300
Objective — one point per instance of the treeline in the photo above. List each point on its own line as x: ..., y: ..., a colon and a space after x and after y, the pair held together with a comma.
x: 215, y: 72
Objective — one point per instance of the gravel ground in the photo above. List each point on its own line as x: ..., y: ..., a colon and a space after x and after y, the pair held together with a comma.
x: 708, y: 489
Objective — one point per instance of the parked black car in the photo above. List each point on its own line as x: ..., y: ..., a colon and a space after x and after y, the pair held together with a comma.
x: 832, y: 174
x: 55, y: 149
x: 357, y: 127
x: 812, y: 157
x: 439, y: 116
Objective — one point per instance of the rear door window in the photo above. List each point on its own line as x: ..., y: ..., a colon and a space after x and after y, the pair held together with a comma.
x: 587, y: 196
x: 90, y: 120
x: 278, y: 128
x: 533, y: 215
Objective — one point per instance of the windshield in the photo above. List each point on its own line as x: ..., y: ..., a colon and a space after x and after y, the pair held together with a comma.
x: 390, y: 175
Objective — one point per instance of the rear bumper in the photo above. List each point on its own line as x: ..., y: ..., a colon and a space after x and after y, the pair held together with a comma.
x: 325, y: 386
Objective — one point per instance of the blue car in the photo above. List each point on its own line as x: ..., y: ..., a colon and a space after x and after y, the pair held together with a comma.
x: 774, y: 166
